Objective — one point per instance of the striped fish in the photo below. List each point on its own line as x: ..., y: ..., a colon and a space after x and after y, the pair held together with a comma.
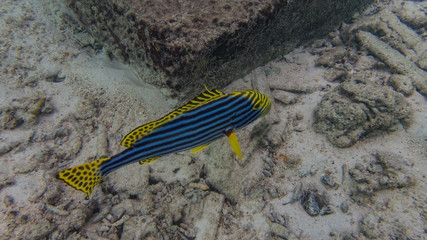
x: 209, y: 116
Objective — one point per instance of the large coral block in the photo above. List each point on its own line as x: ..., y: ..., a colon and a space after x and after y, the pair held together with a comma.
x: 208, y: 42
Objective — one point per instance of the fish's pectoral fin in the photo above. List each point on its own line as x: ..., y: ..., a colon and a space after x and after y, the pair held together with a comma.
x: 148, y: 160
x: 199, y: 148
x: 84, y: 177
x: 232, y: 139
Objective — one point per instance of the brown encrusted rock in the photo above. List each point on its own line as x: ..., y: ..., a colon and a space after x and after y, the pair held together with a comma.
x: 213, y: 42
x: 357, y: 108
x: 385, y: 171
x: 8, y: 120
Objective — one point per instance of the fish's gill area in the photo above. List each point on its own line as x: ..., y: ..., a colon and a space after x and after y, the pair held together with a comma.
x: 341, y: 155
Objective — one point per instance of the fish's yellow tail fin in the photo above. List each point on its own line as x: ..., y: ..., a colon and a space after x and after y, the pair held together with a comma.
x: 84, y: 177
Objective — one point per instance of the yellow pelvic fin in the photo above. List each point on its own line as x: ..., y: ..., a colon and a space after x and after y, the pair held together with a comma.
x: 84, y: 177
x: 138, y: 133
x: 234, y: 143
x: 148, y: 160
x: 199, y: 148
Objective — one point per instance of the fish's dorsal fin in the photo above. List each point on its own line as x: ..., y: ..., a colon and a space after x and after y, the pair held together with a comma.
x: 138, y: 133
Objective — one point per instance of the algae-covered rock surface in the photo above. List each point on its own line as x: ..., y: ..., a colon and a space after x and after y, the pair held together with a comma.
x: 341, y: 155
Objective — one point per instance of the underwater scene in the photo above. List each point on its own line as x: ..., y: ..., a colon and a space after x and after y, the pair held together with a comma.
x: 239, y: 119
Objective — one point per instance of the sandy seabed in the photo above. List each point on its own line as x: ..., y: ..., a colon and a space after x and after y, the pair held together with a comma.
x: 342, y: 154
